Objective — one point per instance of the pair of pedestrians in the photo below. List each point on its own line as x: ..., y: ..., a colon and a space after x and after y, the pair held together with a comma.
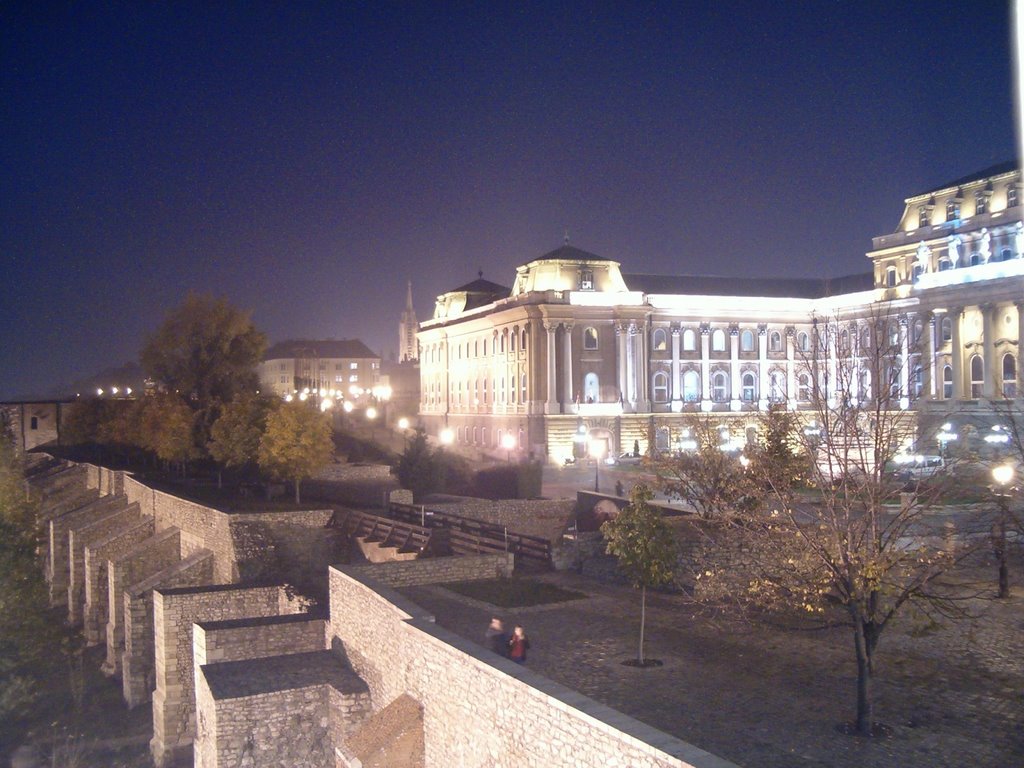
x: 512, y: 646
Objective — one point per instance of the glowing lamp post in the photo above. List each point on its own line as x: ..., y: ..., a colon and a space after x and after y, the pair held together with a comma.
x: 597, y: 449
x: 1002, y: 476
x: 446, y: 436
x: 508, y: 442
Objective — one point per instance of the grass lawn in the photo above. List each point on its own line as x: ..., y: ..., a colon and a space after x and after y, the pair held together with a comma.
x: 514, y: 593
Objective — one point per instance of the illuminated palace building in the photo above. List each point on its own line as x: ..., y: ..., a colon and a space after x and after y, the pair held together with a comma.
x: 578, y: 347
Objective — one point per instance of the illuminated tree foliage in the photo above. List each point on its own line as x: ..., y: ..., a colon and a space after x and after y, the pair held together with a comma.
x: 419, y: 468
x: 645, y: 547
x: 166, y: 428
x: 296, y: 444
x: 235, y: 435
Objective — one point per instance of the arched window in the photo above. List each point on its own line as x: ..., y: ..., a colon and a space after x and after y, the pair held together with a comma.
x: 485, y: 390
x: 803, y: 342
x: 1009, y: 376
x: 775, y: 341
x: 719, y: 387
x: 918, y: 333
x: 503, y: 398
x: 660, y: 340
x: 894, y: 335
x: 803, y: 388
x: 718, y: 340
x: 917, y: 271
x: 865, y: 384
x: 747, y: 341
x: 476, y: 435
x: 484, y: 436
x: 661, y: 387
x: 591, y: 388
x: 977, y: 376
x: 522, y: 344
x: 522, y: 387
x: 890, y: 277
x: 1005, y: 255
x: 749, y: 391
x: 947, y: 382
x: 689, y: 340
x: 512, y: 340
x: 776, y: 386
x: 865, y: 339
x: 946, y: 328
x: 975, y: 259
x: 485, y: 347
x: 945, y: 264
x: 844, y: 341
x: 691, y: 386
x: 503, y: 334
x: 590, y: 338
x: 917, y: 382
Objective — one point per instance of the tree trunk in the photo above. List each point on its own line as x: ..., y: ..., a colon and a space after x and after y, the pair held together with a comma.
x: 864, y: 703
x: 643, y: 619
x: 297, y: 491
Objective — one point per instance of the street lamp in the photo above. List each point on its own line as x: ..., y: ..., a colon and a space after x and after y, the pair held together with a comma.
x: 1002, y: 476
x: 446, y: 436
x: 508, y: 442
x: 597, y: 449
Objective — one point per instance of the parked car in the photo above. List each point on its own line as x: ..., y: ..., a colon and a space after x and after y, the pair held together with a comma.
x: 915, y: 466
x: 629, y: 458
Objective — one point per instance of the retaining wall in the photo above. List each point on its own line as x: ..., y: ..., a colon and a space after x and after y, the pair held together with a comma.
x: 57, y: 563
x: 465, y: 692
x: 81, y: 535
x: 97, y: 579
x: 437, y: 570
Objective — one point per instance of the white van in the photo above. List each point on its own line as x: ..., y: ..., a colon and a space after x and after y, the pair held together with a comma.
x: 915, y: 466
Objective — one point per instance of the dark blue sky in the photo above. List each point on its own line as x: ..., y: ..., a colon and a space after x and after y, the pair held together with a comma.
x: 306, y: 162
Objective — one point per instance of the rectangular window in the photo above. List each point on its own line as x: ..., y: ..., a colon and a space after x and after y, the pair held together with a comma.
x: 353, y: 366
x: 586, y: 279
x: 924, y: 216
x: 34, y: 424
x: 980, y: 203
x: 952, y: 210
x: 354, y: 377
x: 1011, y: 196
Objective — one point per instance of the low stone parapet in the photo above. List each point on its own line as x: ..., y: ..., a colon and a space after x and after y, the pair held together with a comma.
x: 438, y: 570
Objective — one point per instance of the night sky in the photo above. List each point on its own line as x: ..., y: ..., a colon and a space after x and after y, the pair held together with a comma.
x: 305, y: 161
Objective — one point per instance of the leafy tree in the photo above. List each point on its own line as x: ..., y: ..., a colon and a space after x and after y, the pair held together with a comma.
x: 780, y: 460
x: 297, y: 442
x: 166, y: 428
x: 845, y: 557
x: 206, y: 351
x: 645, y: 547
x: 235, y: 435
x: 420, y: 469
x: 709, y: 479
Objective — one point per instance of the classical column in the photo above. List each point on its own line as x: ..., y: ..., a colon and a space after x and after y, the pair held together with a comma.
x: 705, y: 366
x: 991, y: 389
x: 620, y: 336
x: 904, y: 326
x: 1020, y: 343
x: 676, y: 385
x: 569, y: 400
x: 854, y: 382
x: 956, y: 353
x: 928, y: 365
x: 643, y: 372
x: 735, y: 387
x: 762, y: 366
x: 791, y: 393
x: 551, y: 406
x: 832, y: 362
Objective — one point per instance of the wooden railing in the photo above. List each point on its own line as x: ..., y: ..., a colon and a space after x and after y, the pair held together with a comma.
x: 390, y: 532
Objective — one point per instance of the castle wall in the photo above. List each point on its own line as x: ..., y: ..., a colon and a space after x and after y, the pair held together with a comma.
x: 82, y: 534
x: 97, y: 579
x: 437, y: 570
x: 58, y: 565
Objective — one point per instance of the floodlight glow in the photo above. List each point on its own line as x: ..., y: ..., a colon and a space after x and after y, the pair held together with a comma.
x: 347, y: 406
x: 371, y: 413
x: 114, y: 390
x: 597, y: 448
x: 127, y: 390
x: 99, y: 392
x: 446, y: 436
x: 403, y: 423
x: 508, y: 441
x: 303, y: 396
x: 288, y: 398
x: 326, y: 404
x: 1002, y: 474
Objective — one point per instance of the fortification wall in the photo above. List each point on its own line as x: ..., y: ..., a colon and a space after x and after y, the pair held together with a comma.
x: 396, y: 648
x: 97, y: 578
x: 437, y: 570
x: 57, y: 562
x: 214, y: 642
x: 82, y: 534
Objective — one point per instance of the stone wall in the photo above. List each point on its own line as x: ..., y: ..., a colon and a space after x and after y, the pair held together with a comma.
x: 219, y: 641
x: 465, y: 692
x: 57, y: 562
x: 82, y: 534
x: 97, y: 579
x: 437, y: 570
x: 174, y: 612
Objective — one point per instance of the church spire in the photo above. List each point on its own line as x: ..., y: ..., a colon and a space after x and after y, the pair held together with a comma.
x: 408, y: 348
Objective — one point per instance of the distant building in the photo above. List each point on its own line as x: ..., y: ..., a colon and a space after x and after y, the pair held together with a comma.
x: 578, y: 347
x: 340, y: 365
x: 408, y: 348
x: 33, y: 423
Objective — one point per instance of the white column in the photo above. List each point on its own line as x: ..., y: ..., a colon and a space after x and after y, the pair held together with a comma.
x: 791, y: 393
x: 643, y: 372
x: 620, y: 336
x: 551, y: 406
x: 705, y: 367
x: 734, y: 367
x: 569, y: 400
x: 904, y: 326
x: 993, y: 372
x: 675, y: 388
x: 631, y: 366
x: 1020, y: 341
x: 956, y: 353
x: 832, y: 361
x: 762, y: 366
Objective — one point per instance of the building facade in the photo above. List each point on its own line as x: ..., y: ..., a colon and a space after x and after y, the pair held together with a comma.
x: 347, y: 366
x: 577, y: 346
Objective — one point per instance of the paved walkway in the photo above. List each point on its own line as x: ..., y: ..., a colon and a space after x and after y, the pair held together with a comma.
x: 771, y: 698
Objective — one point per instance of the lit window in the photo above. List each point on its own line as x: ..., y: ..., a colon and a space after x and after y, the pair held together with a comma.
x: 691, y: 386
x: 747, y: 341
x: 977, y: 377
x: 952, y: 210
x: 590, y: 338
x: 947, y: 382
x: 354, y: 377
x: 660, y: 387
x: 924, y: 216
x: 775, y: 341
x: 353, y: 366
x: 890, y: 277
x: 660, y: 340
x: 980, y: 203
x: 586, y: 279
x: 689, y: 340
x: 749, y: 393
x: 718, y: 340
x: 1009, y: 376
x: 719, y: 387
x: 918, y: 381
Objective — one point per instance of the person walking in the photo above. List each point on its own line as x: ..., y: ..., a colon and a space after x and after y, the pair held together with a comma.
x: 518, y: 645
x: 495, y: 637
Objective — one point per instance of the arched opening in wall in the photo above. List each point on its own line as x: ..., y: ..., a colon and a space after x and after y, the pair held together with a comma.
x: 977, y: 376
x: 803, y: 342
x: 719, y: 387
x: 591, y: 388
x: 1005, y: 254
x: 945, y: 264
x: 689, y: 340
x: 660, y: 387
x: 590, y: 339
x: 504, y: 334
x: 775, y: 342
x: 803, y: 388
x: 522, y: 387
x: 947, y: 382
x: 747, y: 341
x: 485, y: 347
x: 844, y: 342
x: 512, y: 339
x: 503, y: 398
x: 865, y: 384
x: 917, y: 334
x: 917, y: 382
x: 1009, y: 376
x: 485, y: 391
x: 476, y: 435
x: 946, y: 328
x: 718, y: 340
x: 975, y: 259
x: 513, y: 383
x: 890, y: 277
x: 484, y: 436
x: 659, y: 342
x: 776, y: 386
x: 865, y: 339
x: 749, y: 387
x: 691, y: 386
x: 522, y: 439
